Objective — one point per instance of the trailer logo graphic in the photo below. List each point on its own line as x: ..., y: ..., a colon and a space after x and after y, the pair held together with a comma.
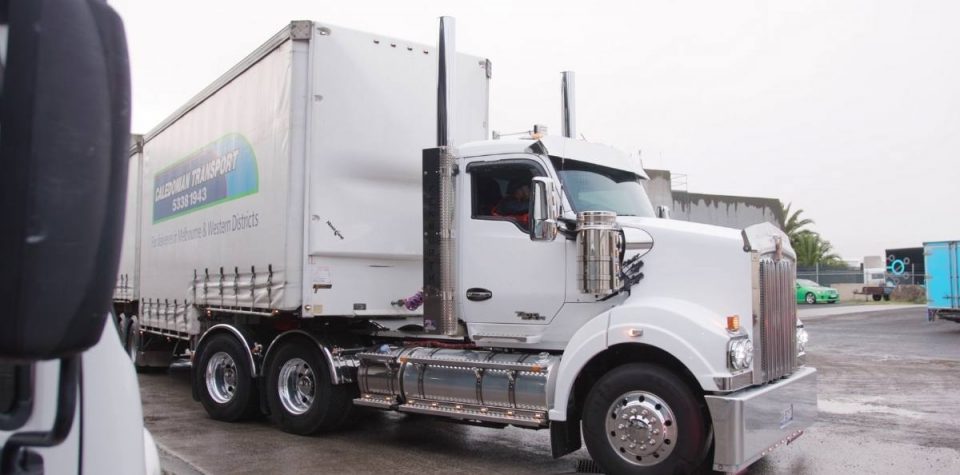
x: 221, y: 171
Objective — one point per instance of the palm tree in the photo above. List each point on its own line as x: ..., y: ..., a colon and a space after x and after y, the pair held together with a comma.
x: 812, y: 249
x: 792, y: 223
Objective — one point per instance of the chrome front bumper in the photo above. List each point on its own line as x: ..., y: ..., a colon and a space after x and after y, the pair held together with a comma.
x: 749, y: 424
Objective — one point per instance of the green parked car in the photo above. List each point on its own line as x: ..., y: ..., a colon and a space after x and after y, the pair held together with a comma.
x: 811, y: 292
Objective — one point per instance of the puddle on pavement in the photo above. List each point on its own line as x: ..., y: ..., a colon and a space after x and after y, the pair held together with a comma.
x: 852, y: 407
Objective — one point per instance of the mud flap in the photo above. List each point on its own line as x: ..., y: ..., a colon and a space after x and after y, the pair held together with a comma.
x: 564, y: 437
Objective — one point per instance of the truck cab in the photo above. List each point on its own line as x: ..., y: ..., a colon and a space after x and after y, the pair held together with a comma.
x: 524, y: 287
x: 645, y: 363
x: 522, y: 291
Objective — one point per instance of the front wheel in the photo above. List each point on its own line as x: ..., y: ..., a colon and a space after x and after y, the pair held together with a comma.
x: 642, y: 419
x: 300, y: 394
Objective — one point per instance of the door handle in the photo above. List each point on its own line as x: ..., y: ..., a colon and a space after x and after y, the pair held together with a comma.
x: 479, y: 295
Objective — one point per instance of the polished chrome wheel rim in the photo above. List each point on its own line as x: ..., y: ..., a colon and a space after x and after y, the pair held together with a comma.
x: 221, y: 377
x: 811, y: 299
x: 641, y: 428
x: 296, y: 386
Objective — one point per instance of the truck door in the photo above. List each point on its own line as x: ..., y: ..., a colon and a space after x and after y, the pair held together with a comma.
x: 941, y: 269
x: 505, y: 278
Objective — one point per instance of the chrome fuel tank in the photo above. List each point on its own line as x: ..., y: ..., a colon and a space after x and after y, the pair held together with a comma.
x: 467, y: 384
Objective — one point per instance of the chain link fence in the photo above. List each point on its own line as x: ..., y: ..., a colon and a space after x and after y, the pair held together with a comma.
x: 831, y: 275
x: 910, y: 275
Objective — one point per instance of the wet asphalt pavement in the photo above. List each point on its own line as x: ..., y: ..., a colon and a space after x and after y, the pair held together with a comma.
x: 889, y: 396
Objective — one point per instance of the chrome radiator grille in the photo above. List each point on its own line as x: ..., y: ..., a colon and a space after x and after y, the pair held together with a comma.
x: 775, y: 331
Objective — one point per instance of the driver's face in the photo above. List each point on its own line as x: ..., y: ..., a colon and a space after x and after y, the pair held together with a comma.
x: 522, y: 193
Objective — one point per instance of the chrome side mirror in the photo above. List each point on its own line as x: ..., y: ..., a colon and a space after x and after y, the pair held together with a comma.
x: 544, y: 209
x: 663, y: 212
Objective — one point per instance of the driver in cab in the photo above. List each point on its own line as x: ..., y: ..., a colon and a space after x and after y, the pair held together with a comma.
x: 516, y: 204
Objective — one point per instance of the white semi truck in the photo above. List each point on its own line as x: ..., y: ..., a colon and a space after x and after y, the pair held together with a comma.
x: 284, y: 225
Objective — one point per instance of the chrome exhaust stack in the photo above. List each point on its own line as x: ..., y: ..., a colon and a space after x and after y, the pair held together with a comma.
x: 447, y: 51
x: 568, y: 106
x: 439, y: 167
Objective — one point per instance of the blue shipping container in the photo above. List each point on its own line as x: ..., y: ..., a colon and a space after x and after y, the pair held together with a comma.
x: 942, y: 260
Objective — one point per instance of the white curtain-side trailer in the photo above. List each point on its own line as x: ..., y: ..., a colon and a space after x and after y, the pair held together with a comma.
x: 290, y: 184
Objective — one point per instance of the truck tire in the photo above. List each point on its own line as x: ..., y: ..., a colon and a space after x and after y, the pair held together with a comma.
x: 223, y: 380
x: 133, y: 342
x: 123, y: 323
x: 642, y: 419
x: 300, y: 394
x: 886, y: 297
x: 876, y: 298
x: 810, y: 298
x: 146, y: 351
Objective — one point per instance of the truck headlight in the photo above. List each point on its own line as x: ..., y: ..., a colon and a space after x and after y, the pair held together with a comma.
x: 802, y: 338
x: 739, y: 353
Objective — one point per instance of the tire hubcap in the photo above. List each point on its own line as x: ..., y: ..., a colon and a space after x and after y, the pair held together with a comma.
x: 296, y: 386
x: 221, y: 378
x: 641, y: 428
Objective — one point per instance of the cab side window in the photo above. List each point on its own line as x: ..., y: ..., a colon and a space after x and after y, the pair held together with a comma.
x: 502, y: 192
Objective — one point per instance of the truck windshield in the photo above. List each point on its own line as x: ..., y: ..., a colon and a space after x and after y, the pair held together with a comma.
x: 592, y: 187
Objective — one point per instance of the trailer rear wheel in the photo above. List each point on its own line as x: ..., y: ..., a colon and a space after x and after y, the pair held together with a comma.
x: 876, y: 298
x: 133, y: 341
x: 640, y: 418
x: 300, y: 394
x: 223, y: 380
x: 123, y: 323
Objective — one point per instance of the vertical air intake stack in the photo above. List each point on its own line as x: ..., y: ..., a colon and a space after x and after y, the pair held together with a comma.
x: 599, y: 258
x: 439, y: 169
x: 568, y: 106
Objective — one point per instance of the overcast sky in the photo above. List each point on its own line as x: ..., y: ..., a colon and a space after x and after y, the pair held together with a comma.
x: 849, y: 110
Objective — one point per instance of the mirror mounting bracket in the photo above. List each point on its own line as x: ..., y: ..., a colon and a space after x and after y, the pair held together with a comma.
x: 16, y: 458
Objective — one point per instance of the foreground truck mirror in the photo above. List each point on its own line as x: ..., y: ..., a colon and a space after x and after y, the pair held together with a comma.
x: 64, y: 136
x: 544, y: 209
x: 663, y: 212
